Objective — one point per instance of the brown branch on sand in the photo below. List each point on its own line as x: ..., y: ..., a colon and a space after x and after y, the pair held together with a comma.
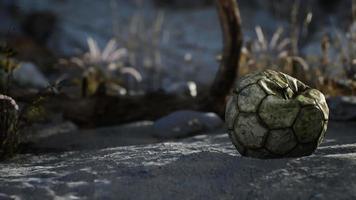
x: 230, y: 23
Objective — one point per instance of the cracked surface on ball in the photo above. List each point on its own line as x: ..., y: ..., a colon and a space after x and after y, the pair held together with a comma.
x: 271, y: 114
x: 281, y: 141
x: 277, y: 112
x: 309, y: 124
x: 249, y: 131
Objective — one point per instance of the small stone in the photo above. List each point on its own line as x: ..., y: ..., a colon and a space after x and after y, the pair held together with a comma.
x: 28, y: 74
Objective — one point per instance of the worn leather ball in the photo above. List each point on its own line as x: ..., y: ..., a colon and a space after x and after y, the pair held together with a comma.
x: 271, y: 115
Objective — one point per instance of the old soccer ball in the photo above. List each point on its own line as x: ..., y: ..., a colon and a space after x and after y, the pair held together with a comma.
x: 271, y: 114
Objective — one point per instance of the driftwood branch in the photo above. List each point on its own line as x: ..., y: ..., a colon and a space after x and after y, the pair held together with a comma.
x: 230, y: 23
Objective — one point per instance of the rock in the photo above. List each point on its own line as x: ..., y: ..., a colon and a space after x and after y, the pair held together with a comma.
x: 9, y: 124
x: 39, y: 132
x: 28, y: 74
x: 203, y: 167
x: 186, y: 122
x: 342, y: 107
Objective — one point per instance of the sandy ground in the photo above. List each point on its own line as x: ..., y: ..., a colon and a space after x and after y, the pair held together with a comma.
x: 201, y: 167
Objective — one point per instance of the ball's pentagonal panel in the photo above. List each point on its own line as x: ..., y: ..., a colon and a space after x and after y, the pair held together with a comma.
x: 277, y: 112
x: 250, y: 97
x: 309, y: 124
x: 249, y: 131
x: 248, y: 80
x: 281, y: 141
x: 231, y: 111
x: 275, y: 115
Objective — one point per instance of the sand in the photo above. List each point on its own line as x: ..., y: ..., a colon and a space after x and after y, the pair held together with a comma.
x: 201, y: 167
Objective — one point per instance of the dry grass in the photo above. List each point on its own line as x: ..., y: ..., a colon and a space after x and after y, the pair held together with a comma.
x: 142, y: 43
x: 333, y: 75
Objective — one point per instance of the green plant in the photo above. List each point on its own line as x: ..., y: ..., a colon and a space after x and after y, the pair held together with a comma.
x: 103, y: 69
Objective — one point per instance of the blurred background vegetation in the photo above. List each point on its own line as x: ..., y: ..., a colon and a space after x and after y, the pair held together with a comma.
x: 131, y: 48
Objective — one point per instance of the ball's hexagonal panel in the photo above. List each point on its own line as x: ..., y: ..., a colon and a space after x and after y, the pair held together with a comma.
x: 303, y: 150
x: 309, y: 124
x: 231, y: 111
x: 240, y: 147
x: 281, y: 141
x: 248, y: 80
x: 249, y: 131
x: 250, y: 97
x: 277, y: 112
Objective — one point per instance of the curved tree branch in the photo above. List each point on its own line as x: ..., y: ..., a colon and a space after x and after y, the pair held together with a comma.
x: 230, y: 23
